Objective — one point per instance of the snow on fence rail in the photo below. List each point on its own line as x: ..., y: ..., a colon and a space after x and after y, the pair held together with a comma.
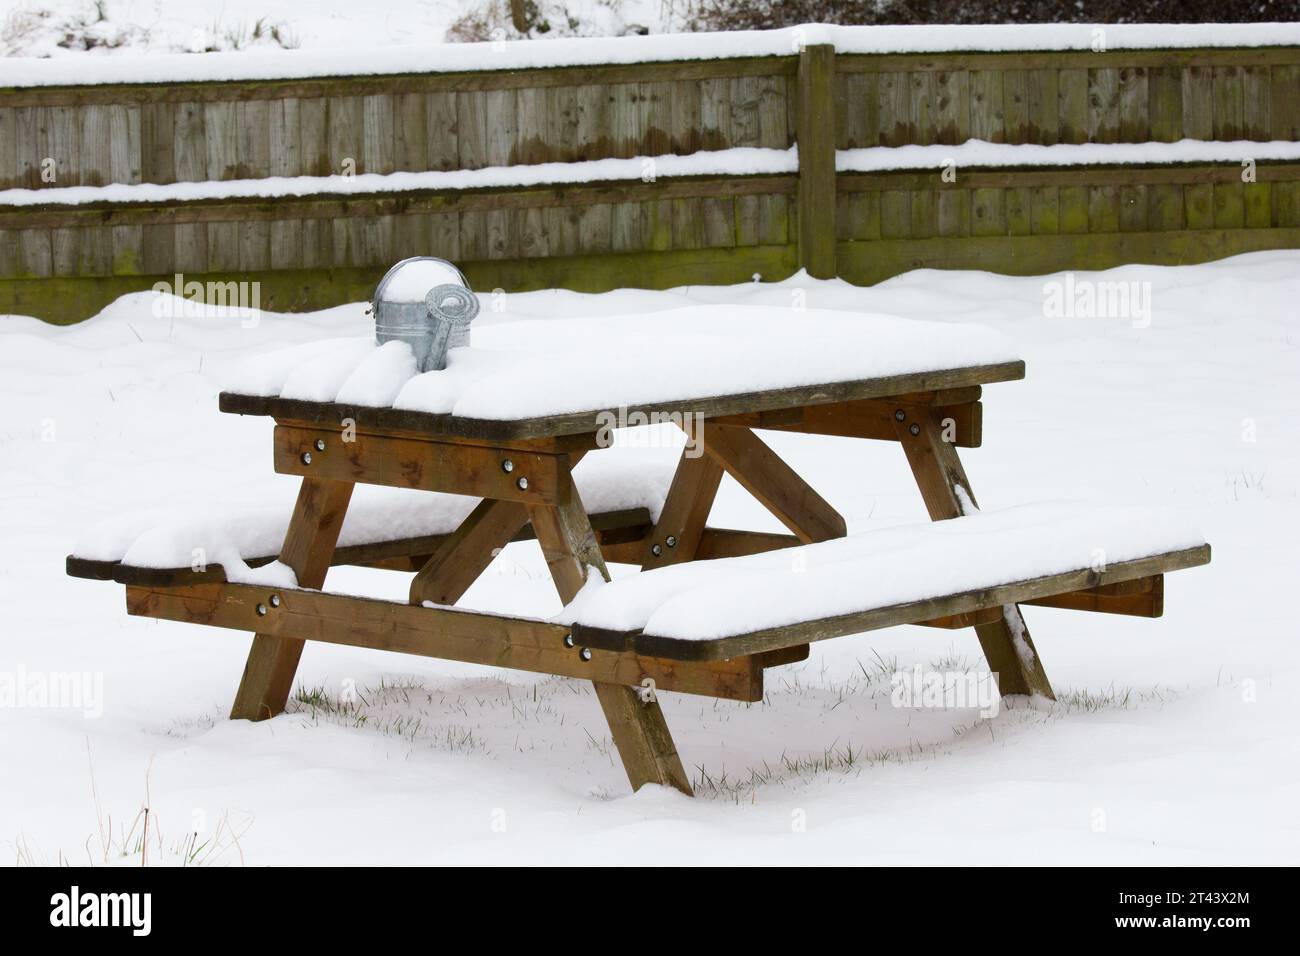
x: 600, y: 51
x: 653, y: 161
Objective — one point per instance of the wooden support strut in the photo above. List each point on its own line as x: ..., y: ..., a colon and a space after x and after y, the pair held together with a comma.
x: 816, y: 135
x: 638, y: 726
x: 516, y: 474
x: 308, y: 547
x: 944, y: 487
x: 473, y: 637
x: 774, y: 483
x: 467, y: 551
x: 678, y: 533
x: 870, y: 418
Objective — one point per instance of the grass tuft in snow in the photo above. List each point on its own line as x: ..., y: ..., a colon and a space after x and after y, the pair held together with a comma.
x: 400, y: 708
x: 1083, y: 700
x: 141, y: 842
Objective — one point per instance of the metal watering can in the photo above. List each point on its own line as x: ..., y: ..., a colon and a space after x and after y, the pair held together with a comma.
x: 426, y: 303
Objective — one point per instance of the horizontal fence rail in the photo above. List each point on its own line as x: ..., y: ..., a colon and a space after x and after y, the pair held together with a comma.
x: 313, y: 246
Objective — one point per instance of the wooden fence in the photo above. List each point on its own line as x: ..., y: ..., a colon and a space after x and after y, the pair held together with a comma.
x: 65, y: 262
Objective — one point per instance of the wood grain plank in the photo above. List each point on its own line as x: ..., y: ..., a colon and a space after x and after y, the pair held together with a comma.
x: 988, y: 212
x: 1133, y: 208
x: 502, y: 133
x: 1103, y: 105
x: 1257, y: 107
x: 345, y: 125
x: 1045, y: 210
x: 9, y: 178
x: 284, y: 131
x: 1074, y: 204
x: 1198, y: 102
x: 1044, y: 107
x: 95, y: 155
x: 1103, y: 209
x: 379, y: 134
x: 895, y: 109
x: 920, y: 107
x: 987, y: 114
x: 1165, y: 103
x: 1015, y: 105
x: 1229, y: 104
x: 1134, y: 105
x: 1284, y: 103
x: 410, y: 132
x: 444, y: 131
x: 1165, y: 211
x: 1072, y: 103
x: 314, y: 136
x: 222, y: 159
x: 253, y: 139
x: 124, y: 124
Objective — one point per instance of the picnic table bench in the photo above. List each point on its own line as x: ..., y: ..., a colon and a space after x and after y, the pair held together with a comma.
x: 713, y: 607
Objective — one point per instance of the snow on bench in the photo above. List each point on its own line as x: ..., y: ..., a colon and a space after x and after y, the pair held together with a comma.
x: 532, y: 369
x: 611, y: 480
x: 739, y: 605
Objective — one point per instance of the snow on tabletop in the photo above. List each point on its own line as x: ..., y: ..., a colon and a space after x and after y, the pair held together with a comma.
x: 609, y: 479
x: 977, y: 152
x: 737, y: 161
x: 377, y: 378
x: 524, y: 54
x: 322, y: 374
x: 528, y: 369
x: 705, y: 600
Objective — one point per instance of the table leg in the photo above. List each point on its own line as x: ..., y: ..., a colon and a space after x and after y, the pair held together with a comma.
x: 638, y: 727
x: 308, y: 547
x: 942, y: 480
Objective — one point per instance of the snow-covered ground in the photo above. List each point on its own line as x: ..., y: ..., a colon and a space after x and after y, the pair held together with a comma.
x: 58, y: 28
x: 59, y: 42
x: 1174, y: 740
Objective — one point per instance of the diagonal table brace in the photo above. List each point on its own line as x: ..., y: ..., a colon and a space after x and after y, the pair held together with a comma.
x: 776, y: 485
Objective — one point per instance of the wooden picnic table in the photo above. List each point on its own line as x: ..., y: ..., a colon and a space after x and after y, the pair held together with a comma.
x: 523, y: 472
x: 522, y: 469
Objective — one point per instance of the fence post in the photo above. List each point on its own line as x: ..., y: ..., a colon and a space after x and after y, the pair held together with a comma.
x: 817, y: 160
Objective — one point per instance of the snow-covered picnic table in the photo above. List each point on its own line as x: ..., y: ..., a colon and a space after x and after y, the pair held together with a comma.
x: 538, y: 379
x: 508, y: 422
